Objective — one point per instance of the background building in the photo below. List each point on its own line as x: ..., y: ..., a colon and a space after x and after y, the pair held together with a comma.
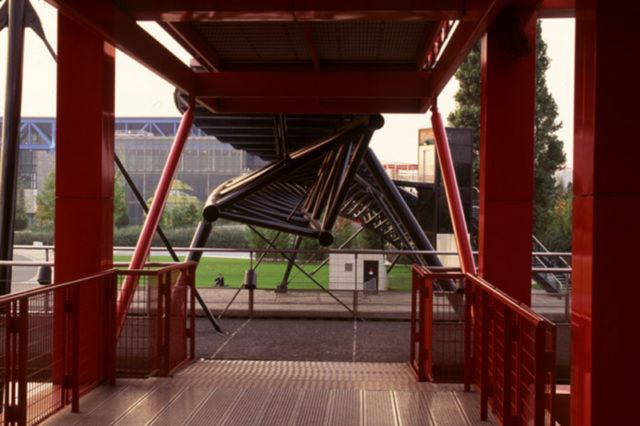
x: 142, y: 144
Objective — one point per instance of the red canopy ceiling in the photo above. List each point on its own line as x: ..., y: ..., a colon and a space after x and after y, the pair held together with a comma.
x: 303, y: 56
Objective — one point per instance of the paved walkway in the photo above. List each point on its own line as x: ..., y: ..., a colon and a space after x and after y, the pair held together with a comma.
x: 239, y: 393
x: 317, y: 304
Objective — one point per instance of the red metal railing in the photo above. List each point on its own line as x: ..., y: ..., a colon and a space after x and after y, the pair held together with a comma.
x: 157, y: 335
x: 513, y: 359
x: 437, y: 325
x: 420, y: 355
x: 49, y: 358
x: 509, y: 350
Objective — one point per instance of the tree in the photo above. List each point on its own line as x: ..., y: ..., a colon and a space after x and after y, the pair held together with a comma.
x: 120, y: 216
x: 182, y: 209
x: 21, y: 220
x: 549, y: 155
x: 558, y: 234
x: 467, y: 112
x: 46, y: 201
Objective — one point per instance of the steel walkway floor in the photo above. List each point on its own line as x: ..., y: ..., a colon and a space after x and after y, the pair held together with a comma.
x: 279, y: 393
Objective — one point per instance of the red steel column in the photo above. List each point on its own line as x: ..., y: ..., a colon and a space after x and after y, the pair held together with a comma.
x: 453, y: 193
x: 84, y: 178
x: 155, y: 213
x: 506, y: 163
x: 606, y: 216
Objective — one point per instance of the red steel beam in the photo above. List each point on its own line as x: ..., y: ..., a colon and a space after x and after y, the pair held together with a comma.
x: 193, y: 43
x: 557, y: 9
x: 465, y: 36
x: 121, y: 30
x: 357, y: 84
x: 465, y: 253
x: 298, y: 10
x: 153, y: 217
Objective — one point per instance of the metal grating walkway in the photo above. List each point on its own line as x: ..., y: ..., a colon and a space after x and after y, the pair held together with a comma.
x: 279, y: 393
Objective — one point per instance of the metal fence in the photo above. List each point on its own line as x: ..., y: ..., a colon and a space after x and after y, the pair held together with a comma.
x: 49, y: 357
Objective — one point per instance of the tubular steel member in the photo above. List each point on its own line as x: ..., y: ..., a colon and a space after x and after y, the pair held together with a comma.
x: 288, y: 258
x: 11, y: 136
x: 144, y: 206
x: 394, y: 198
x: 271, y: 198
x: 155, y: 212
x: 282, y: 288
x: 453, y: 194
x: 337, y: 197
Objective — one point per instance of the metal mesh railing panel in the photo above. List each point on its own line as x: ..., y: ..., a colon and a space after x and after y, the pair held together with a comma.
x: 138, y: 350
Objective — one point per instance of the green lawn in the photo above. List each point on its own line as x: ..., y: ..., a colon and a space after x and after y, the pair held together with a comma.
x: 270, y: 273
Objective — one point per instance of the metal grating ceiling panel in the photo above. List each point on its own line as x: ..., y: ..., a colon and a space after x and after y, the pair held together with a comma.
x: 256, y: 42
x: 337, y: 43
x: 369, y: 42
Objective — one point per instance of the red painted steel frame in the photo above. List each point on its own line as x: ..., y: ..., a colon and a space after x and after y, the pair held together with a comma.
x: 109, y: 23
x: 301, y: 10
x: 606, y: 208
x: 311, y: 84
x: 506, y: 163
x: 84, y: 184
x: 454, y: 201
x: 155, y: 213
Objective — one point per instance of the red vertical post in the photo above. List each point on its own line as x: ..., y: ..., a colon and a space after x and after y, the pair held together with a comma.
x: 84, y: 181
x: 506, y: 162
x: 606, y: 209
x: 23, y: 359
x: 414, y: 317
x: 192, y: 312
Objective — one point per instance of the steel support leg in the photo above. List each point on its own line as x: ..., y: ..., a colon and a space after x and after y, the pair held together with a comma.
x: 282, y: 288
x: 9, y: 152
x: 153, y: 218
x: 399, y: 205
x: 456, y: 211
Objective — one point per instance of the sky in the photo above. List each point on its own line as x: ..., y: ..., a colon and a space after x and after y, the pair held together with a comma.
x: 140, y: 93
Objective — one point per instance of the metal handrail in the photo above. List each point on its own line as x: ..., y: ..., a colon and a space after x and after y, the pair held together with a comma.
x: 509, y: 301
x: 27, y: 263
x: 303, y: 251
x: 46, y: 289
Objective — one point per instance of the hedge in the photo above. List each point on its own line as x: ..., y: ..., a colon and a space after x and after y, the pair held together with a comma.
x: 222, y: 237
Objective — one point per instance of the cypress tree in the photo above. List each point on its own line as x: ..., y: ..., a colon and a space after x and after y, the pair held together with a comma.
x: 549, y: 156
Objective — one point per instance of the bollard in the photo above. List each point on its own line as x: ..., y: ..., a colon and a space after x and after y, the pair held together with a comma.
x: 44, y: 275
x: 250, y: 283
